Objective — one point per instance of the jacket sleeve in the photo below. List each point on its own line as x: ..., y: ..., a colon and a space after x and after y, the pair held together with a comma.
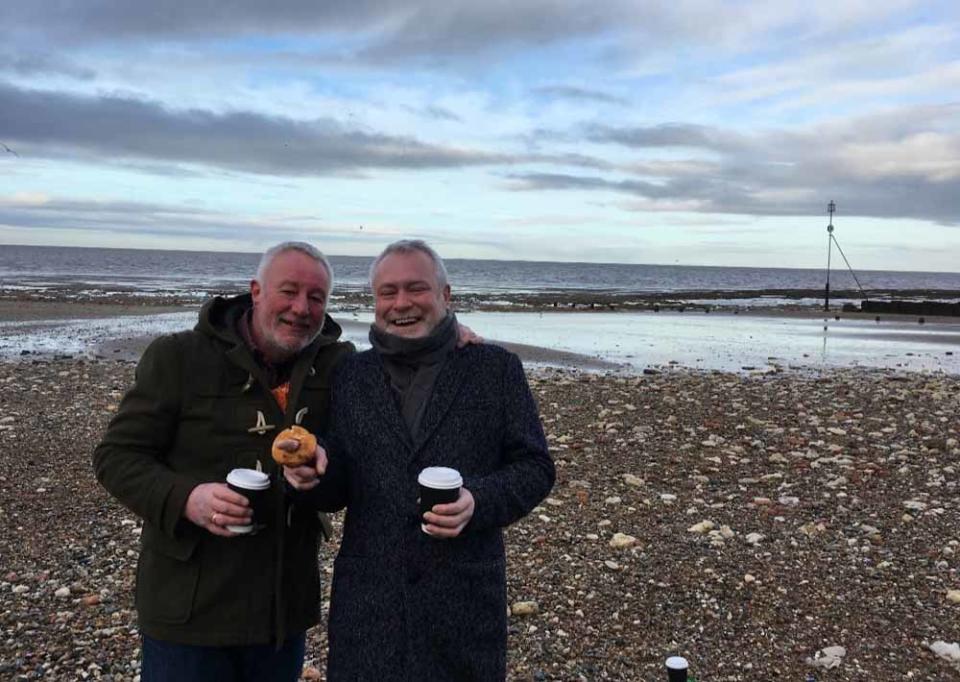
x: 129, y: 461
x: 527, y: 472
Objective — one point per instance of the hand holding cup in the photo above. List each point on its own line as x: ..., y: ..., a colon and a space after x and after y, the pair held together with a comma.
x: 214, y: 506
x: 446, y: 507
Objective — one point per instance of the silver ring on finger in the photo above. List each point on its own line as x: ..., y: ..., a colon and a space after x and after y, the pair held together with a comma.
x: 213, y: 519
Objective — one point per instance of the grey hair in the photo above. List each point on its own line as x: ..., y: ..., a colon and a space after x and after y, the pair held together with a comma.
x: 412, y: 246
x: 304, y: 248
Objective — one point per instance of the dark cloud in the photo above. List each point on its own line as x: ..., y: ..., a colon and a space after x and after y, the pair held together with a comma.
x: 122, y: 128
x: 382, y: 29
x: 579, y: 94
x: 441, y: 114
x: 781, y: 173
x: 664, y: 135
x: 34, y: 64
x: 757, y: 195
x: 133, y: 217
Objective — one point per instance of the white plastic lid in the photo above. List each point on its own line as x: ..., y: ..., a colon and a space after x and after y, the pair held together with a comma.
x: 677, y: 663
x: 249, y: 479
x: 440, y: 478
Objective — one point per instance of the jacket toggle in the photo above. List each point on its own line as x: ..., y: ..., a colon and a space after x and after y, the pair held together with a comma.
x: 261, y: 427
x: 301, y: 413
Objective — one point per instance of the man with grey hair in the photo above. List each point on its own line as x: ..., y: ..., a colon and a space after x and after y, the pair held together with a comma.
x: 218, y: 598
x: 411, y: 246
x: 423, y: 596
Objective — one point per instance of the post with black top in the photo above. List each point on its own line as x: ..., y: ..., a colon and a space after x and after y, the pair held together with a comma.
x: 831, y: 208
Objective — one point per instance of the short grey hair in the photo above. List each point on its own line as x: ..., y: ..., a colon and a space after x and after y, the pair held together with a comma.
x: 412, y: 246
x: 304, y: 248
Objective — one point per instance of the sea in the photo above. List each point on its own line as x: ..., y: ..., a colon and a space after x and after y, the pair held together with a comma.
x: 95, y: 272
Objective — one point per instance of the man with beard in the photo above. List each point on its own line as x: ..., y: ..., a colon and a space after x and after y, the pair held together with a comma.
x: 214, y: 604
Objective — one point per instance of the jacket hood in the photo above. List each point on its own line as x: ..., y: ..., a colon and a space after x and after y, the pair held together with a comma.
x: 219, y: 317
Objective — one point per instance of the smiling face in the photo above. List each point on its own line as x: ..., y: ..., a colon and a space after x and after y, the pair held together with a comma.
x: 288, y: 304
x: 409, y: 300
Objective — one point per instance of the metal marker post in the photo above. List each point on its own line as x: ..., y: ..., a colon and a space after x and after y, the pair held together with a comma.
x: 831, y: 207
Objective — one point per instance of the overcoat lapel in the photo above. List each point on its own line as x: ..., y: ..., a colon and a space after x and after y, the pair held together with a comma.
x: 381, y: 395
x: 444, y: 392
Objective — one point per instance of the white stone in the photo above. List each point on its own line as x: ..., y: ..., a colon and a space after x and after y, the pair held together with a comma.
x: 828, y: 657
x: 62, y: 592
x: 953, y: 596
x: 622, y: 541
x: 754, y: 538
x: 635, y: 481
x: 948, y: 652
x: 704, y: 526
x: 524, y: 608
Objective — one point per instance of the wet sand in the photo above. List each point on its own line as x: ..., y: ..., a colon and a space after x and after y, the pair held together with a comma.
x: 36, y: 311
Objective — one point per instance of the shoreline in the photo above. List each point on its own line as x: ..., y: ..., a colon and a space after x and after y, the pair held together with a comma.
x: 776, y: 301
x: 27, y: 308
x: 623, y: 342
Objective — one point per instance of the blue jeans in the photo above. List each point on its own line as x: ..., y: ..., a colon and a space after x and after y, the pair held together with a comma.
x: 170, y: 662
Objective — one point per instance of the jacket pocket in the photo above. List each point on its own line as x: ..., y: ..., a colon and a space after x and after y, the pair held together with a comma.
x: 167, y: 576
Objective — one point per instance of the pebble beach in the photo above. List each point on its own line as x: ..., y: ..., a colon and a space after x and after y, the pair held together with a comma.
x: 764, y: 526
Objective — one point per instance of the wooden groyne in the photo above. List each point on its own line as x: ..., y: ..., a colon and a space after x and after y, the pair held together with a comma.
x: 911, y: 307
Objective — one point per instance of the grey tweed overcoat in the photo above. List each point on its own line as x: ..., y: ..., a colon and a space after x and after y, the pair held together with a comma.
x: 406, y: 606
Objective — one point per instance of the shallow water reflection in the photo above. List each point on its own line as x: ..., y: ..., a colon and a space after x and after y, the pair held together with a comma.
x: 639, y: 339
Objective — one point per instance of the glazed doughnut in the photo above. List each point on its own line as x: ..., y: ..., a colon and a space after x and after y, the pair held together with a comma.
x: 300, y: 456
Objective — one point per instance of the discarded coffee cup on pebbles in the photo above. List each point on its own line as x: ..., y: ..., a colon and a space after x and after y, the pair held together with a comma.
x: 438, y: 485
x: 253, y: 485
x: 677, y: 669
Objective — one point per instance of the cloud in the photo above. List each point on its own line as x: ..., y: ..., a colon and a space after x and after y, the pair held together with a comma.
x: 42, y: 212
x: 663, y: 135
x: 441, y: 114
x: 579, y: 94
x: 897, y: 164
x: 118, y: 127
x: 906, y: 60
x: 33, y: 64
x: 390, y: 29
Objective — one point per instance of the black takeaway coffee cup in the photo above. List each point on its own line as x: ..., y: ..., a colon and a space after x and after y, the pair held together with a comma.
x: 254, y: 485
x: 438, y: 485
x: 677, y: 669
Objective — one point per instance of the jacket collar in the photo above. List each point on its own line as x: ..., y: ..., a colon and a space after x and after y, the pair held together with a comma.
x: 219, y: 318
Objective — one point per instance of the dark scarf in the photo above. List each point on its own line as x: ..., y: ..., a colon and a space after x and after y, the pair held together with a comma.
x: 413, y: 366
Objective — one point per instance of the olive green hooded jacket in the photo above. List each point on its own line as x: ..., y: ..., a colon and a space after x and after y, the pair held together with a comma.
x: 200, y: 406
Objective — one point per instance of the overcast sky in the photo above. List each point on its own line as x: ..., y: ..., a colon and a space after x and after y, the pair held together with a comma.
x: 689, y: 131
